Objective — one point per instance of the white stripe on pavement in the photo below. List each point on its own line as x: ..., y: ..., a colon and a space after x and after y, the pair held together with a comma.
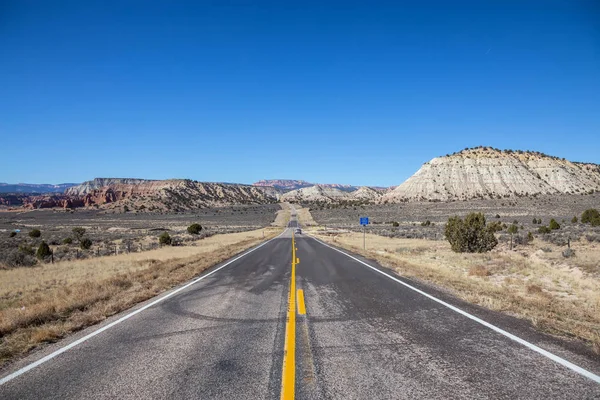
x: 131, y: 314
x: 517, y: 339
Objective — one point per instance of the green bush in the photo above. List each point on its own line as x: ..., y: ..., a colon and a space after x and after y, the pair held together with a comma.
x: 35, y: 233
x: 13, y: 234
x: 426, y: 223
x: 26, y: 249
x: 165, y: 239
x: 67, y: 240
x: 43, y: 251
x: 395, y: 224
x: 495, y: 226
x: 470, y: 235
x: 85, y: 243
x: 554, y: 225
x: 535, y: 221
x: 544, y: 229
x: 574, y: 220
x: 78, y: 232
x: 194, y: 229
x: 529, y: 237
x: 513, y: 229
x: 591, y: 216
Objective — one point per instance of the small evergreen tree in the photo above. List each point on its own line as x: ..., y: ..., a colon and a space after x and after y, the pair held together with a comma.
x: 554, y: 225
x: 470, y: 235
x: 574, y: 220
x: 85, y: 243
x: 35, y: 233
x: 194, y: 229
x: 43, y: 251
x: 165, y: 239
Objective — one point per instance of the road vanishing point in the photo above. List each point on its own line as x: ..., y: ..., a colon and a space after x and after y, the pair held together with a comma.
x: 297, y: 318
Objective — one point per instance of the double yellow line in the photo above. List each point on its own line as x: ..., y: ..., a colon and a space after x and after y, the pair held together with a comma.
x: 288, y: 375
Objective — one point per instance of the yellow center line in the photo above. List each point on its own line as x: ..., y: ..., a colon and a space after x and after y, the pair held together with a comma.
x: 288, y: 374
x: 301, y: 307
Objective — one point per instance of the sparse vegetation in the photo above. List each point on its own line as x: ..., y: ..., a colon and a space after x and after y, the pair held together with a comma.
x: 395, y: 224
x: 470, y: 235
x: 35, y: 233
x: 67, y: 240
x: 165, y: 239
x: 544, y: 229
x: 554, y: 225
x: 78, y: 232
x: 85, y: 243
x: 591, y: 216
x: 194, y: 229
x: 574, y: 220
x: 12, y: 234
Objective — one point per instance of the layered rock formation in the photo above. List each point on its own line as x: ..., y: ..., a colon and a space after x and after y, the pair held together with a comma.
x: 490, y: 173
x: 327, y: 194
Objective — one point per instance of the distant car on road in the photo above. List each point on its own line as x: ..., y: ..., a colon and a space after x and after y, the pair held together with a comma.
x: 298, y: 230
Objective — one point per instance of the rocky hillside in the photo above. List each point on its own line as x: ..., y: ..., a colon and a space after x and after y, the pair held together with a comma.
x: 149, y: 195
x: 323, y: 193
x: 486, y: 172
x: 283, y: 184
x: 286, y: 185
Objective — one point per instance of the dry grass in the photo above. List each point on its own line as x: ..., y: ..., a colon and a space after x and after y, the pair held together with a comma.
x: 559, y: 295
x: 46, y: 303
x: 305, y: 218
x: 282, y: 216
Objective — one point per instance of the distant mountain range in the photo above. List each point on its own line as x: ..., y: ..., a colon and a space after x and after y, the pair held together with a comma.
x: 286, y: 185
x: 481, y: 172
x: 34, y: 188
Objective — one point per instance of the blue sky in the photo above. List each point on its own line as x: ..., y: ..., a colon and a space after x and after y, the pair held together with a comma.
x: 345, y: 92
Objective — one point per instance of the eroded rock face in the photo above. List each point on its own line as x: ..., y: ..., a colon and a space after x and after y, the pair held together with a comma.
x: 491, y: 173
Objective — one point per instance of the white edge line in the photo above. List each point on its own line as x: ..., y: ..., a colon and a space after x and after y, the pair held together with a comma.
x: 123, y: 318
x: 517, y: 339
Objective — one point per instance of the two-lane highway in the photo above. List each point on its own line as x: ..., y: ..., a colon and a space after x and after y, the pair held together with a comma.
x: 336, y: 328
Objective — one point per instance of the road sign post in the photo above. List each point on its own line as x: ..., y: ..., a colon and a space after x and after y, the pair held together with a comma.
x: 364, y: 221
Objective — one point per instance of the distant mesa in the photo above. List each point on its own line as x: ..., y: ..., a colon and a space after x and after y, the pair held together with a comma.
x: 486, y: 172
x: 34, y: 188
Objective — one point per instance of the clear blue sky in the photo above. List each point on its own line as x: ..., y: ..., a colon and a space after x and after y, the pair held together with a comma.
x: 331, y: 92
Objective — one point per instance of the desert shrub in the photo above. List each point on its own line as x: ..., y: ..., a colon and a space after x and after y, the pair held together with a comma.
x: 568, y: 253
x: 498, y: 216
x: 574, y: 220
x: 26, y: 249
x: 535, y: 221
x: 470, y: 235
x: 194, y: 229
x: 43, y: 251
x: 35, y: 233
x: 495, y: 226
x: 395, y: 224
x: 78, y: 232
x: 529, y: 237
x: 165, y: 239
x: 590, y: 215
x: 67, y: 240
x: 426, y: 223
x: 544, y: 229
x: 17, y: 258
x: 554, y: 225
x: 85, y: 243
x: 12, y: 234
x: 513, y: 229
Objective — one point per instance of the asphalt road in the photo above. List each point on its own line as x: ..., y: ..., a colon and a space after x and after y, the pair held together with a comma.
x: 363, y: 336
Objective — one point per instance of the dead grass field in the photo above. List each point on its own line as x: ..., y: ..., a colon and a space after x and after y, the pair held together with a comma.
x: 282, y: 216
x: 558, y: 295
x: 45, y: 303
x: 304, y: 217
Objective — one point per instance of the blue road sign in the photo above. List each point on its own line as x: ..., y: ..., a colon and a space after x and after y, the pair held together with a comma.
x: 364, y: 220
